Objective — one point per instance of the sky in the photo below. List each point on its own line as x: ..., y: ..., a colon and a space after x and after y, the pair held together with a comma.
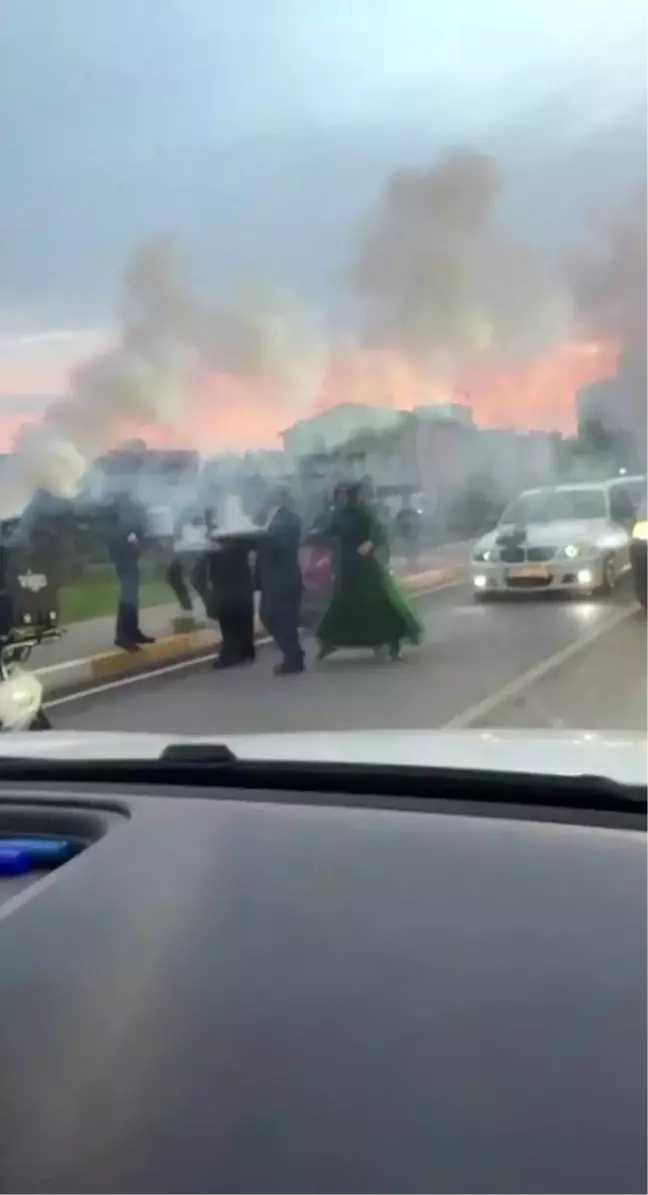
x: 260, y: 132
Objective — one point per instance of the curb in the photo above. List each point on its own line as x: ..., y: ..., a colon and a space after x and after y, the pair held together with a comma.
x: 186, y: 645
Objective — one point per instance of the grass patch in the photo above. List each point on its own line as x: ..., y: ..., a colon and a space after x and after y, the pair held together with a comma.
x: 94, y: 594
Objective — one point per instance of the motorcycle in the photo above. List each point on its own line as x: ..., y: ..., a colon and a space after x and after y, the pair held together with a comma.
x: 29, y: 572
x: 21, y: 692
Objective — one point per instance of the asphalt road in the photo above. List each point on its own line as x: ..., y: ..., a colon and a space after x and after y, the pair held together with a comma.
x: 553, y: 662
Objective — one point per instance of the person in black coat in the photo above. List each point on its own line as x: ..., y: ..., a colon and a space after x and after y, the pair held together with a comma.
x: 279, y: 580
x: 232, y: 599
x: 125, y: 534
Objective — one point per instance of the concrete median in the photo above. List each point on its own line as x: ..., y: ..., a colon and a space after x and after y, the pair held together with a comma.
x: 450, y: 566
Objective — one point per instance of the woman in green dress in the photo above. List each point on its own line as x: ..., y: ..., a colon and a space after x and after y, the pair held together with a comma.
x: 368, y: 608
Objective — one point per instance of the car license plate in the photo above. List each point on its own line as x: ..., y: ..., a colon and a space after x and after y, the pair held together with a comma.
x: 530, y: 570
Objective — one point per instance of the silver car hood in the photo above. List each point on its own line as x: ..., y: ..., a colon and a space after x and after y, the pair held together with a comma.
x: 615, y: 756
x: 558, y: 533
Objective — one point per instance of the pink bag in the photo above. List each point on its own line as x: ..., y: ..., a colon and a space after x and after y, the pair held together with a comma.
x: 315, y: 565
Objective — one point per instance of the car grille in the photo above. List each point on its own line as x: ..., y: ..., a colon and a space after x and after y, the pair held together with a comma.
x: 528, y: 582
x: 520, y: 555
x: 540, y: 553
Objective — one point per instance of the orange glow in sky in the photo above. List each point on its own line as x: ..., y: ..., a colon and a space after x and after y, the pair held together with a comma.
x: 540, y: 395
x: 233, y: 414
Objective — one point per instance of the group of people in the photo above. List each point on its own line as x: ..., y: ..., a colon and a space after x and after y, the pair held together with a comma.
x: 276, y: 576
x: 366, y: 608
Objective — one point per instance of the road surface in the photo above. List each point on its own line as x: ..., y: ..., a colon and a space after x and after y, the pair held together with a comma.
x: 549, y: 663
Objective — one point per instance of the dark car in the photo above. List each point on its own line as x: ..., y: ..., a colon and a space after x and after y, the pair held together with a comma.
x: 638, y: 554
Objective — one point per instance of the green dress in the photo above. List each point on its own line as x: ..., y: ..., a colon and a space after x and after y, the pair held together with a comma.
x: 368, y: 608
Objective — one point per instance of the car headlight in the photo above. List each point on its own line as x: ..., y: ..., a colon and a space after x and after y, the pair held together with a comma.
x: 640, y: 529
x: 485, y: 556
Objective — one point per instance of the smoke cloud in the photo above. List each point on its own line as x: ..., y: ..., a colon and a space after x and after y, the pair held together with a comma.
x: 608, y: 275
x: 272, y: 341
x: 446, y: 299
x: 144, y: 380
x: 170, y: 342
x: 438, y: 278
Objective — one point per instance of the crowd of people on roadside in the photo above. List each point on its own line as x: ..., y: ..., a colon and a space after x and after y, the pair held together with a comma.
x: 364, y: 608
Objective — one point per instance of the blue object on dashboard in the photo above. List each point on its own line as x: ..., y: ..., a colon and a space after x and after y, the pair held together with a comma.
x: 13, y: 861
x: 41, y: 851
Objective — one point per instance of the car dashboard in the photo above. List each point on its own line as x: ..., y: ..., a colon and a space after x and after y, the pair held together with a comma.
x: 251, y: 990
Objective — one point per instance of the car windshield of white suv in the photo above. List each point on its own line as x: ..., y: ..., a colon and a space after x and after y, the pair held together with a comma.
x: 556, y: 505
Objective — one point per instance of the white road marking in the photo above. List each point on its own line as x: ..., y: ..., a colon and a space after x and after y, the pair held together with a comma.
x: 193, y: 662
x: 470, y: 715
x: 63, y: 664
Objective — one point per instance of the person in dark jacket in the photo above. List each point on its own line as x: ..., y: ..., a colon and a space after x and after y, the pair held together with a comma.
x: 232, y: 599
x: 124, y: 542
x: 279, y: 580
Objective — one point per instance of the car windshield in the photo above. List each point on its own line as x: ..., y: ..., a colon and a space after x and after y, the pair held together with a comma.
x: 550, y: 506
x: 299, y: 302
x: 636, y: 491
